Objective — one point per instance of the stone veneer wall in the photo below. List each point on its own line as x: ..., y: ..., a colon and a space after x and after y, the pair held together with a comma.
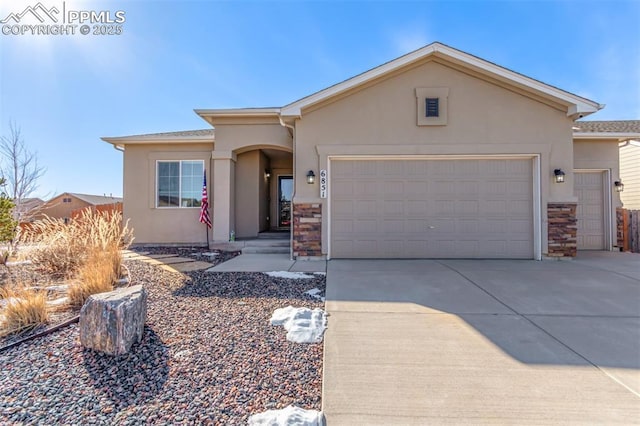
x: 563, y: 227
x: 307, y: 230
x: 620, y: 227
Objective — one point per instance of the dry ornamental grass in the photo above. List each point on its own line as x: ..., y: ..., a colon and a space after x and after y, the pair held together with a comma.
x: 86, y: 251
x: 25, y: 309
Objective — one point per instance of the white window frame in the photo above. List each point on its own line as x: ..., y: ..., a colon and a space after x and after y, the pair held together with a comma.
x: 155, y: 195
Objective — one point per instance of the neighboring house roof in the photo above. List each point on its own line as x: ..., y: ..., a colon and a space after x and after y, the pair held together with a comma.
x: 201, y: 135
x: 620, y: 130
x: 95, y: 200
x: 577, y: 106
x: 30, y: 203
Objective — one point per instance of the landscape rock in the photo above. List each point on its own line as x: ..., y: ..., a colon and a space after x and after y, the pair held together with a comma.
x: 112, y: 322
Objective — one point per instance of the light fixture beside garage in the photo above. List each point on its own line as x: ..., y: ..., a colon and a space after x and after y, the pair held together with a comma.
x: 267, y: 173
x: 559, y: 175
x: 311, y: 177
x: 619, y: 186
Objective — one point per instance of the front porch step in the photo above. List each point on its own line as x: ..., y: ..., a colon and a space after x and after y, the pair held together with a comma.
x: 266, y: 246
x: 266, y: 243
x: 266, y: 250
x: 274, y: 235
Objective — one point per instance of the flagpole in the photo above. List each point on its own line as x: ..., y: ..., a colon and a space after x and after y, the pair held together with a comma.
x: 205, y: 218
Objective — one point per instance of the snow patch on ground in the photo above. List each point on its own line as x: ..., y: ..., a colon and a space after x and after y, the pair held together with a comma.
x: 315, y: 293
x: 303, y: 325
x: 320, y: 273
x: 290, y: 275
x: 289, y: 416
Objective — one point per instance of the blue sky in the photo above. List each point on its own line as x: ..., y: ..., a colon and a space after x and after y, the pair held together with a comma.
x: 65, y: 92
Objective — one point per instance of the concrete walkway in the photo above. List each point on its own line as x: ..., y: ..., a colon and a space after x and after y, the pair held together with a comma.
x: 168, y: 262
x: 414, y: 342
x: 269, y: 263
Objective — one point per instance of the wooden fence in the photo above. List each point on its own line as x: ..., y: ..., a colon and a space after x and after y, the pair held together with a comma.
x: 629, y: 230
x: 110, y: 208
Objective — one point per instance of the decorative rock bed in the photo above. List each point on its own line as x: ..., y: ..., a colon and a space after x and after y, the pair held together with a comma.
x: 208, y: 356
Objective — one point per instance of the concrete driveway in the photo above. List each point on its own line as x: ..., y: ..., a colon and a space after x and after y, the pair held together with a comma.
x: 483, y: 342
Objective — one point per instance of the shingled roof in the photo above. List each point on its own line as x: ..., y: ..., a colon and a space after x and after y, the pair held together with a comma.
x: 616, y: 126
x: 96, y: 200
x: 183, y: 133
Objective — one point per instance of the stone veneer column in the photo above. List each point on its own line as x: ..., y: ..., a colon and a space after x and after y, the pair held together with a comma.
x: 563, y: 227
x: 620, y: 227
x: 307, y: 230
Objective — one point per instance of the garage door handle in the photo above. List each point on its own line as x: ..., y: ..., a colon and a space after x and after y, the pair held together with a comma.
x: 432, y: 227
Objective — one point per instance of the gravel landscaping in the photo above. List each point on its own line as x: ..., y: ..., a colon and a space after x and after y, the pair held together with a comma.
x: 209, y: 356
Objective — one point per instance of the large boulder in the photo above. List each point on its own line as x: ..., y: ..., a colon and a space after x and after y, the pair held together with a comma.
x: 112, y: 322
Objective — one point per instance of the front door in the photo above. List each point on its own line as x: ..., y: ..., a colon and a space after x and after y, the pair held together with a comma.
x: 285, y: 194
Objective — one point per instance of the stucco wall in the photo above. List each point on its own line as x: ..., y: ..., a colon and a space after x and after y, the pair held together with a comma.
x: 263, y: 193
x: 483, y: 118
x: 239, y: 137
x: 250, y: 193
x: 630, y: 174
x: 161, y: 225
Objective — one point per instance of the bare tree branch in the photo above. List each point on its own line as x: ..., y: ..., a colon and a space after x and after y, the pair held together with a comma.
x: 19, y: 166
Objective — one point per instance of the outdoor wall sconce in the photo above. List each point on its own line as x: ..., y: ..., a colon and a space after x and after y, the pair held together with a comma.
x: 267, y: 173
x: 619, y: 186
x: 311, y: 177
x: 558, y: 175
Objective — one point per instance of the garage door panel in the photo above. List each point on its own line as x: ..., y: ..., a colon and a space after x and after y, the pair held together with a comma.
x: 342, y: 188
x: 465, y: 208
x: 364, y: 208
x: 434, y: 208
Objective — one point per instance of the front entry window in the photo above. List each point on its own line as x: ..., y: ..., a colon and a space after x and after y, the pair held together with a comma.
x: 285, y: 193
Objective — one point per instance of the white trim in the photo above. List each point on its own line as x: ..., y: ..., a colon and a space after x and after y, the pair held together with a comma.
x: 536, y: 178
x: 607, y: 204
x: 158, y: 139
x: 578, y: 106
x: 620, y: 136
x: 537, y: 208
x: 238, y: 112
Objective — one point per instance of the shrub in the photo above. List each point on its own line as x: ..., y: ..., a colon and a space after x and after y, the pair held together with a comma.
x: 96, y: 275
x: 24, y: 310
x: 61, y: 249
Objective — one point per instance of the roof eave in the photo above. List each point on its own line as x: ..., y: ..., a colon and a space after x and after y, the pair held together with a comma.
x: 577, y: 106
x: 617, y: 136
x: 130, y: 140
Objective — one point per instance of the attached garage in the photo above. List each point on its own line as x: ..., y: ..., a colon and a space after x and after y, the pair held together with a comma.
x: 590, y: 212
x: 438, y: 207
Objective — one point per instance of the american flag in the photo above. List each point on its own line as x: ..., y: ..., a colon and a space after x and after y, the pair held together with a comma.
x: 204, y: 208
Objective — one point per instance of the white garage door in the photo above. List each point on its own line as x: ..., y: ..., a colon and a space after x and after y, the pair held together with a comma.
x: 589, y: 188
x: 427, y: 208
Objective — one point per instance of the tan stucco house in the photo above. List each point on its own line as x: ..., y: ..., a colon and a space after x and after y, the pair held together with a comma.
x: 436, y: 154
x: 65, y: 205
